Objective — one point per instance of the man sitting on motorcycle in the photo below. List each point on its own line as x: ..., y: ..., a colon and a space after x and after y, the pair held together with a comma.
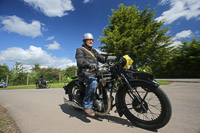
x: 87, y: 61
x: 41, y: 83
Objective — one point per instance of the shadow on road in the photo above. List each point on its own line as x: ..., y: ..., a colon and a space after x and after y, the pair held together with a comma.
x: 114, y: 119
x: 79, y: 114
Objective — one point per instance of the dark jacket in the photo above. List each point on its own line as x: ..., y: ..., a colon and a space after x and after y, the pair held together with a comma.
x: 85, y: 61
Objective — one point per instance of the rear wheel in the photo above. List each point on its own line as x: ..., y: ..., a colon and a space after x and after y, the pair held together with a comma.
x: 152, y: 113
x: 75, y: 93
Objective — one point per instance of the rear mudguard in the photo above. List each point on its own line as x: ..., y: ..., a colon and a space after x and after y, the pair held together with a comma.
x: 66, y: 87
x: 154, y: 84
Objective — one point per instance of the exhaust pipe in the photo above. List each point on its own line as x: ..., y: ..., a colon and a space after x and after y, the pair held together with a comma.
x: 73, y: 104
x: 108, y: 106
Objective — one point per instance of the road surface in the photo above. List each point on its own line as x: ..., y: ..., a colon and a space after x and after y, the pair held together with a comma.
x: 43, y: 111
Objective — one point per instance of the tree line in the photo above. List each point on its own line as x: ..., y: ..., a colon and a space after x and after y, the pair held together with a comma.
x: 18, y: 75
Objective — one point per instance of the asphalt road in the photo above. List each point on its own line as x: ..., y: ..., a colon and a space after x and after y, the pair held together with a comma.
x: 43, y: 111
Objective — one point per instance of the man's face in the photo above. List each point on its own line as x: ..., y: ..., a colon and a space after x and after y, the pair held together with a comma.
x: 89, y: 42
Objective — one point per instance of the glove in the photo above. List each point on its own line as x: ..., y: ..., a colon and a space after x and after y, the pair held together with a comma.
x: 93, y: 66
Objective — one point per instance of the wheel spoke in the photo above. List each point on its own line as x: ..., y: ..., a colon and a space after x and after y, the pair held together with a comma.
x: 155, y: 106
x: 149, y: 99
x: 154, y: 115
x: 145, y: 115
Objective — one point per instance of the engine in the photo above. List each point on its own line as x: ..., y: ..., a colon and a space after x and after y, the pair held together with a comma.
x: 99, y: 105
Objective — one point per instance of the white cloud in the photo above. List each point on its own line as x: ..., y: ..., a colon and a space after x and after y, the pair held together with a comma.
x: 180, y: 35
x: 176, y: 43
x: 52, y: 8
x: 50, y: 38
x: 86, y: 1
x: 33, y: 55
x: 180, y: 8
x: 164, y: 2
x: 17, y: 25
x: 54, y: 46
x: 183, y: 34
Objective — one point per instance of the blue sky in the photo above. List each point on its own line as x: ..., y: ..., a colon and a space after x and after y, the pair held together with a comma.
x: 47, y: 32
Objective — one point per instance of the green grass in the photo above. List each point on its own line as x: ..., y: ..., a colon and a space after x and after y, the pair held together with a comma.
x: 3, y: 121
x: 20, y: 87
x: 54, y: 85
x: 57, y: 85
x: 163, y: 82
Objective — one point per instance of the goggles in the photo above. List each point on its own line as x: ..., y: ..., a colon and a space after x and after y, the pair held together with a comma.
x: 89, y: 40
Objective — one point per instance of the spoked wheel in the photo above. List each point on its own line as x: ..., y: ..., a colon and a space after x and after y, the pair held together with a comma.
x: 153, y: 111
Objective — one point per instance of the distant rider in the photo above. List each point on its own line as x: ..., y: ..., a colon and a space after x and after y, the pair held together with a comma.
x: 42, y: 80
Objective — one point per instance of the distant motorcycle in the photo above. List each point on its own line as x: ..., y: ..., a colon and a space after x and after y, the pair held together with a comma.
x: 42, y: 84
x: 138, y: 96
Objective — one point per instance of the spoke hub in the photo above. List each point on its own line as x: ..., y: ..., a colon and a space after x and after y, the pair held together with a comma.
x: 140, y: 107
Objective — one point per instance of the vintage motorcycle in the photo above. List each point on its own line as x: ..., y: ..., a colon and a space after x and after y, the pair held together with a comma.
x: 138, y: 96
x: 42, y: 84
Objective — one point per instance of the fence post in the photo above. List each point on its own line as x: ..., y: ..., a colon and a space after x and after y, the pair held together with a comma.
x: 27, y: 78
x: 59, y: 77
x: 7, y: 78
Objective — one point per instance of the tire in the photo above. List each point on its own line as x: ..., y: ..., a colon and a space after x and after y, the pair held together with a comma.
x: 75, y: 94
x: 157, y: 112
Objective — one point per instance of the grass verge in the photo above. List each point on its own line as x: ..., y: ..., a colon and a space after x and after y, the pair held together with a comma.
x: 54, y: 85
x: 7, y: 124
x: 164, y: 82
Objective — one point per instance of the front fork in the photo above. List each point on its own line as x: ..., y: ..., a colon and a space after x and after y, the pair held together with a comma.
x: 133, y: 93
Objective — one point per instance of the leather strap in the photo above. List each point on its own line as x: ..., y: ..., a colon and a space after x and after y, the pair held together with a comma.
x: 89, y: 52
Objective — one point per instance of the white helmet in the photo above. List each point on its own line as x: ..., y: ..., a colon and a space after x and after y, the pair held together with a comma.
x: 88, y: 36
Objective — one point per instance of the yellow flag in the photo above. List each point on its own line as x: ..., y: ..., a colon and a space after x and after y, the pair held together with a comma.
x: 129, y: 61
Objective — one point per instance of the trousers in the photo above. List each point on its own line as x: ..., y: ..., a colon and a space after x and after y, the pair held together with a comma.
x: 90, y: 91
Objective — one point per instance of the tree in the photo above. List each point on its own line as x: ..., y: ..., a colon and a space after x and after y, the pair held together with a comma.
x: 134, y: 32
x: 51, y: 74
x: 185, y: 62
x: 4, y: 71
x: 70, y: 71
x: 18, y: 76
x: 36, y: 68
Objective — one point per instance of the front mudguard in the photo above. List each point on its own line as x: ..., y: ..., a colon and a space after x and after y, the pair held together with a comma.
x: 154, y: 84
x: 118, y: 108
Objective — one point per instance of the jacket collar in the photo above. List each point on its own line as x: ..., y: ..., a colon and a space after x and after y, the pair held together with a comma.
x: 87, y: 47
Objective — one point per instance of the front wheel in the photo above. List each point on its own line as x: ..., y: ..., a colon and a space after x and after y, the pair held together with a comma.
x: 152, y: 113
